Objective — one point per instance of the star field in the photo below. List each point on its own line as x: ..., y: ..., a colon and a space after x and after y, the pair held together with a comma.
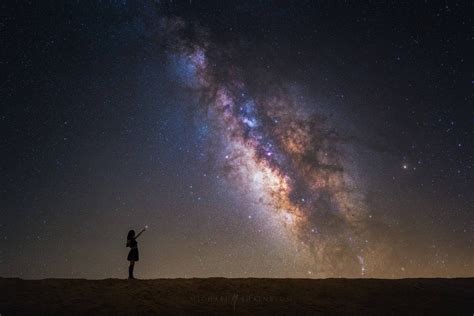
x: 316, y: 139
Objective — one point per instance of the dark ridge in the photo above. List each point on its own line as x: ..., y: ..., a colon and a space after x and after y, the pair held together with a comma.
x: 237, y: 296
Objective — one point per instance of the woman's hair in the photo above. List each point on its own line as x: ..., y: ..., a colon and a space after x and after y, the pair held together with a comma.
x: 130, y: 235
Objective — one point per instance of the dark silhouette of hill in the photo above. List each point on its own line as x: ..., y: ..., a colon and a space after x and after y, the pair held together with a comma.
x: 237, y: 296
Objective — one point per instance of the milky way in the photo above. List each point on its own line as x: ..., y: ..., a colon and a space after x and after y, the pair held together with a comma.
x: 283, y: 154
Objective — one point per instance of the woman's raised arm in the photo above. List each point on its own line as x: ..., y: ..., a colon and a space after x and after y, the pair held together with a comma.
x: 140, y: 233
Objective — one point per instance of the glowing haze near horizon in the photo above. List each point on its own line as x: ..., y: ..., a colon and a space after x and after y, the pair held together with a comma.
x: 241, y: 158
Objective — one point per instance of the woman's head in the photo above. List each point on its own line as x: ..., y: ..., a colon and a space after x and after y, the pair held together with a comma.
x: 131, y: 234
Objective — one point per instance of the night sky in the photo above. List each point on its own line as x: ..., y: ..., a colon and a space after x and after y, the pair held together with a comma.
x: 254, y: 138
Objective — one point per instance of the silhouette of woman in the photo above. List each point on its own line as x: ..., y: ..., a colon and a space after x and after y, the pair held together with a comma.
x: 133, y: 254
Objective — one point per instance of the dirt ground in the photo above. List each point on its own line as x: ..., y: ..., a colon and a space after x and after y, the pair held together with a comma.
x: 237, y: 296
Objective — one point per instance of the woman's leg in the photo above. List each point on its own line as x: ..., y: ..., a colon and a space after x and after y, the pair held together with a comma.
x: 130, y: 270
